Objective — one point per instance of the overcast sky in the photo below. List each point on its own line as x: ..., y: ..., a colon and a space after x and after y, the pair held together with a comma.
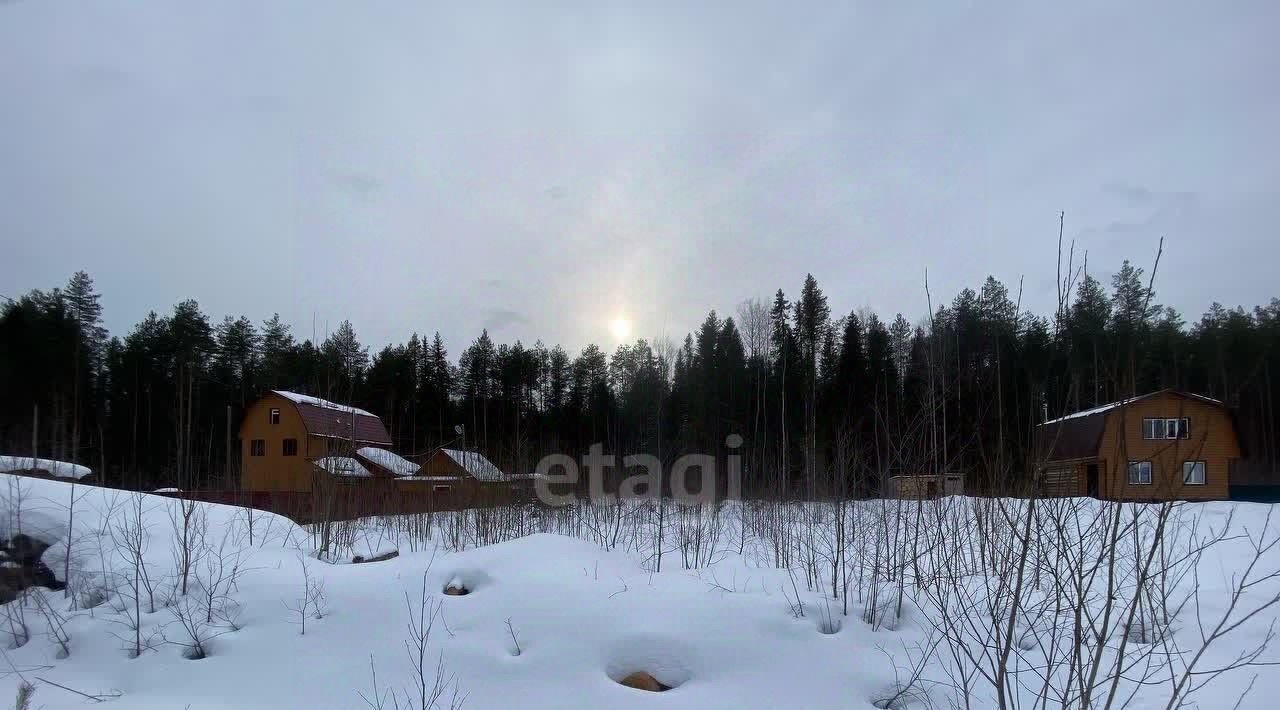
x: 540, y: 172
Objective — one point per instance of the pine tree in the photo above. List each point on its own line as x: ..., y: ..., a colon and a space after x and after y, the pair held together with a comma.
x: 276, y: 347
x: 86, y: 312
x: 1089, y: 345
x: 346, y: 361
x: 900, y: 334
x: 812, y: 321
x: 84, y: 308
x: 236, y: 361
x: 1132, y: 301
x: 849, y: 382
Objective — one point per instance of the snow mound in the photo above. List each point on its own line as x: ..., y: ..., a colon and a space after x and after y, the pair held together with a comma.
x: 664, y: 658
x: 57, y: 469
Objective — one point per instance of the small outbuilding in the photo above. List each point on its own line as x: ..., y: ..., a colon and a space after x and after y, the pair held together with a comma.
x: 926, y: 486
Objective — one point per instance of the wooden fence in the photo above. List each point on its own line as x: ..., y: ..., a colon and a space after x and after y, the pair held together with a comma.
x: 361, y: 498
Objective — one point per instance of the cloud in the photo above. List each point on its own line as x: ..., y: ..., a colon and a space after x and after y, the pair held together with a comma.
x: 358, y: 186
x: 658, y: 161
x: 499, y: 318
x: 1133, y: 194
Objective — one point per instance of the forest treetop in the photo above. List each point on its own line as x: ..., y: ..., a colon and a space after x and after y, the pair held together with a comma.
x: 799, y: 381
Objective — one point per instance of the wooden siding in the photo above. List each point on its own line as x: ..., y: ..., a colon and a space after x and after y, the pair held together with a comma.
x: 441, y: 464
x: 926, y: 487
x: 1063, y: 479
x: 273, y: 471
x: 1212, y: 440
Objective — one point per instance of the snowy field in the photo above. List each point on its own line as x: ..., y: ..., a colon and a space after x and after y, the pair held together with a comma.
x: 873, y: 604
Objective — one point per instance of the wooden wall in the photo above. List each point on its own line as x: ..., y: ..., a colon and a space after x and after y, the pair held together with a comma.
x: 274, y: 471
x: 1213, y: 440
x: 441, y: 464
x: 362, y: 497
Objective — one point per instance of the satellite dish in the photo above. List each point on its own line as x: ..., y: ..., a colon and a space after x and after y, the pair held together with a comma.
x: 457, y: 429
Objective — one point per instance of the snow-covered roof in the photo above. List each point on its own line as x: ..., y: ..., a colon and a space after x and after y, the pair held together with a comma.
x: 1130, y: 400
x: 324, y: 403
x: 389, y: 460
x: 474, y: 463
x: 57, y: 469
x: 343, y: 466
x: 1090, y: 412
x: 437, y: 479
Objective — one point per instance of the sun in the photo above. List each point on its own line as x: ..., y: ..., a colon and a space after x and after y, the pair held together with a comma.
x: 620, y: 327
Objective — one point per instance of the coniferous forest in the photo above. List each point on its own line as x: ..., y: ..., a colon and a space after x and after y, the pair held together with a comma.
x: 819, y: 395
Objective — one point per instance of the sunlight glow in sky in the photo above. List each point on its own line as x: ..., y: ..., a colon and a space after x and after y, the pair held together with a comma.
x: 620, y: 328
x: 542, y: 171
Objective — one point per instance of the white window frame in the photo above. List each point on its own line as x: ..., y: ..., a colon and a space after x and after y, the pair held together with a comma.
x: 1186, y: 478
x: 1149, y: 425
x: 273, y: 417
x: 1166, y: 428
x: 1181, y: 428
x: 1139, y: 466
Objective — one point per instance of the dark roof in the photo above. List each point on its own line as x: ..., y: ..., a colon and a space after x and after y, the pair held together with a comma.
x: 323, y: 418
x: 1078, y: 435
x: 1074, y: 438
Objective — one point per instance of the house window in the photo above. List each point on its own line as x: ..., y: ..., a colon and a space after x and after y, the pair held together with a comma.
x: 290, y: 447
x: 1139, y: 473
x: 1193, y: 473
x: 258, y: 447
x: 1166, y: 428
x: 1152, y: 428
x: 275, y: 416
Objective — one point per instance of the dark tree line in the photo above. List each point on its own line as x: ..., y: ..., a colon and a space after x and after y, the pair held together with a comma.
x: 818, y: 397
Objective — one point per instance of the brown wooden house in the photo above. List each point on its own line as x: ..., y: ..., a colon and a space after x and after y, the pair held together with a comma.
x: 1166, y: 445
x: 284, y: 432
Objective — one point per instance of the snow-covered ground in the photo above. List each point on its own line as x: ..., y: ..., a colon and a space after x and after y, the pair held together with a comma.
x: 564, y: 603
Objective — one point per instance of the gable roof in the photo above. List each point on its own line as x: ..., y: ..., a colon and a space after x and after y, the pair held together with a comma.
x: 342, y: 466
x: 324, y: 418
x: 1078, y: 435
x: 395, y: 464
x: 1070, y: 437
x: 474, y: 463
x: 322, y: 403
x: 1114, y: 405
